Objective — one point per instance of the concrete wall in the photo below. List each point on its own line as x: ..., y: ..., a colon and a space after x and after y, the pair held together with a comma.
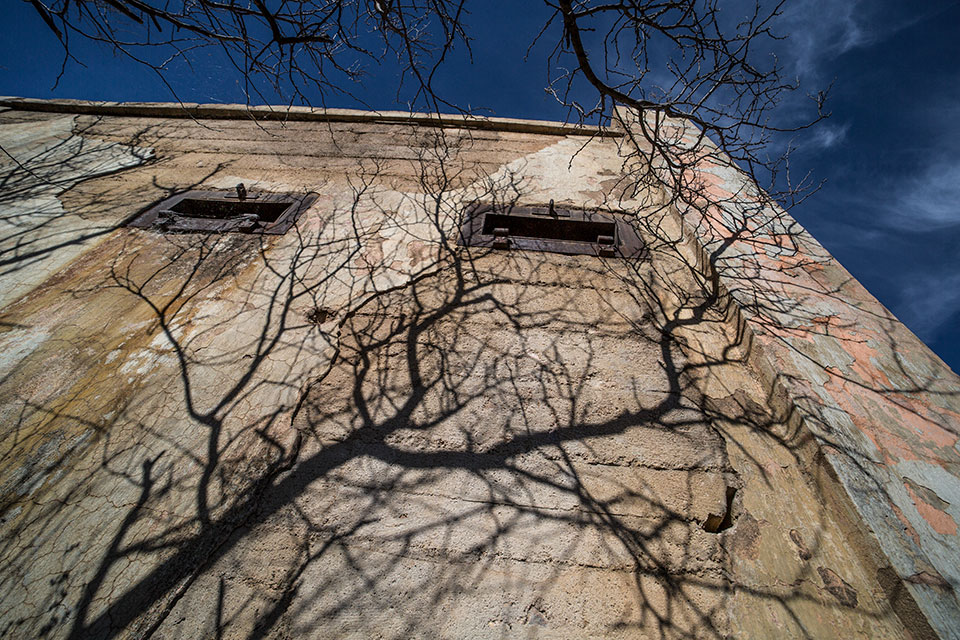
x: 360, y: 429
x: 882, y: 409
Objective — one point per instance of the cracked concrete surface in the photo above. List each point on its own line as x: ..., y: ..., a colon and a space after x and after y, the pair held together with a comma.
x: 43, y: 157
x: 359, y: 429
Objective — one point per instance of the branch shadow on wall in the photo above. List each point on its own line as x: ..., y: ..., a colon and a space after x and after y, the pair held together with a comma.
x: 481, y: 442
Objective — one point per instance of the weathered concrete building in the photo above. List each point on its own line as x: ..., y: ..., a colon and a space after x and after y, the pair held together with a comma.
x: 363, y: 401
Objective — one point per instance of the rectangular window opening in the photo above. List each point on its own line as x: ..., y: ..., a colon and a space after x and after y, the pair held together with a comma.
x: 551, y: 229
x: 224, y: 209
x: 225, y: 212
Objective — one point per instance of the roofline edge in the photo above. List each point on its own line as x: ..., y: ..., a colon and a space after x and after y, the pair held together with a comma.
x: 195, y: 110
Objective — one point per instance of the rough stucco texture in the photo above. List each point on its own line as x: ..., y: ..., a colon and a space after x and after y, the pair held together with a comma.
x: 38, y: 237
x: 885, y: 411
x: 359, y: 429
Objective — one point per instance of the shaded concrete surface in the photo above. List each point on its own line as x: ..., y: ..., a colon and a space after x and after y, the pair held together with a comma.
x: 499, y: 452
x: 883, y: 409
x: 360, y: 429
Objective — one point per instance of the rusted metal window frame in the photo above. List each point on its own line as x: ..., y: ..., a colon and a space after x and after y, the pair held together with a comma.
x: 625, y: 243
x: 162, y: 217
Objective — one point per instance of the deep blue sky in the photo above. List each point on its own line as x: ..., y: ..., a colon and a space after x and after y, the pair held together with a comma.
x: 890, y: 153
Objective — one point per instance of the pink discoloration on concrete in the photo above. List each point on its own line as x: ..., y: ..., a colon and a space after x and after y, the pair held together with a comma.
x: 921, y: 420
x: 895, y: 425
x: 892, y: 447
x: 850, y: 366
x: 901, y: 424
x: 844, y: 329
x: 372, y: 256
x: 421, y: 253
x: 907, y: 527
x: 941, y: 521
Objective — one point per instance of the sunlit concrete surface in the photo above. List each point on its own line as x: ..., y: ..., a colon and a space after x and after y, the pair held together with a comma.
x: 363, y: 429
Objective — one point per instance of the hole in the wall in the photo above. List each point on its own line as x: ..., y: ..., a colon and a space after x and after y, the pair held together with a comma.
x: 552, y: 229
x: 225, y: 212
x: 549, y: 228
x: 224, y: 209
x: 717, y: 523
x: 318, y: 316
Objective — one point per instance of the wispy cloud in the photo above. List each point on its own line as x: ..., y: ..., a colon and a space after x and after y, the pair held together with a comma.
x: 827, y: 135
x: 820, y: 30
x: 929, y: 200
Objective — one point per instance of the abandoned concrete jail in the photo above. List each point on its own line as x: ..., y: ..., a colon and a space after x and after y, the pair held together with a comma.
x: 425, y: 377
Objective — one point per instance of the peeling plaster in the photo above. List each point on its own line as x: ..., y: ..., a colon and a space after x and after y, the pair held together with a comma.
x: 873, y: 417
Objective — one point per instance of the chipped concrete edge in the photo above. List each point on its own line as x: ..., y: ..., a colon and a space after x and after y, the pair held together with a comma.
x: 929, y: 610
x: 198, y: 111
x: 836, y: 485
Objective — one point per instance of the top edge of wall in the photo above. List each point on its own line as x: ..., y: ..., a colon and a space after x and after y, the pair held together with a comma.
x: 198, y: 111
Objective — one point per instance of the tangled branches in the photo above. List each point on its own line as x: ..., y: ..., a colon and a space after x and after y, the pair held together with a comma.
x: 679, y: 63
